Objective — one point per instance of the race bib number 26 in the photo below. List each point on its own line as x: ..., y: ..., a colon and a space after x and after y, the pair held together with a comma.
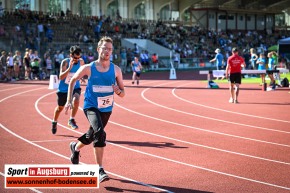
x: 104, y: 102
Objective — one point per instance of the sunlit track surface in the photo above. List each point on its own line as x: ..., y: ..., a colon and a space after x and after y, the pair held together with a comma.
x: 164, y: 136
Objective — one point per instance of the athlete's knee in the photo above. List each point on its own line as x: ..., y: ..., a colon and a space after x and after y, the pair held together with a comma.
x: 59, y: 108
x: 85, y: 139
x: 76, y: 97
x: 236, y: 87
x: 100, y: 139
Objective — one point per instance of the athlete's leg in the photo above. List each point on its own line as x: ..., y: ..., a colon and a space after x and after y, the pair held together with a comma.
x: 99, y: 153
x: 76, y: 102
x: 133, y: 77
x: 237, y: 89
x: 57, y: 112
x: 232, y: 92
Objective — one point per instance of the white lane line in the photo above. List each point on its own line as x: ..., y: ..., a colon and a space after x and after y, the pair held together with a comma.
x: 233, y: 112
x: 186, y: 142
x: 196, y: 128
x: 199, y: 145
x: 68, y: 158
x: 220, y: 120
x: 17, y: 87
x: 248, y: 179
x: 137, y: 182
x: 152, y: 155
x: 48, y: 141
x: 32, y: 189
x: 237, y: 153
x: 19, y: 94
x: 60, y: 155
x: 203, y: 168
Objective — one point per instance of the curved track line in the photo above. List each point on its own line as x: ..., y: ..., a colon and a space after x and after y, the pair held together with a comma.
x: 186, y: 142
x: 16, y: 88
x: 19, y: 94
x: 68, y: 158
x: 231, y: 175
x: 230, y: 122
x: 32, y: 189
x: 195, y: 144
x: 152, y: 155
x: 205, y: 169
x: 241, y: 124
x: 60, y: 155
x: 205, y: 117
x: 233, y: 112
x: 197, y: 128
x: 199, y: 145
x: 136, y: 182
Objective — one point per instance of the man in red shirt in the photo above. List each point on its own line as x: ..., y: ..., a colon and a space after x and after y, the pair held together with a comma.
x: 233, y: 70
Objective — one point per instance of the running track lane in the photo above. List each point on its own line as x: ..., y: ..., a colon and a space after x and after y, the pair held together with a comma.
x: 154, y: 160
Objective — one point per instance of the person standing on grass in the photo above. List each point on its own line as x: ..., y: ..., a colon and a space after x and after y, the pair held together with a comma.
x: 254, y: 58
x: 219, y: 59
x: 272, y: 62
x: 261, y: 61
x: 234, y: 72
x: 137, y: 69
x: 104, y: 79
x: 68, y: 68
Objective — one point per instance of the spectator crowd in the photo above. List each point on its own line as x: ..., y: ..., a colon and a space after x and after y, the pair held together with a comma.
x: 29, y: 33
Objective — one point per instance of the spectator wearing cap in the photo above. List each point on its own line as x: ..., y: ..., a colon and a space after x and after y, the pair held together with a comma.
x: 234, y: 72
x: 219, y: 59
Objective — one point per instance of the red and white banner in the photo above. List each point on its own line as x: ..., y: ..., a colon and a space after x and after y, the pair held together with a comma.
x: 51, y: 176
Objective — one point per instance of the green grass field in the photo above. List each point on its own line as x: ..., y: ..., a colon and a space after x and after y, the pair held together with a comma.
x: 255, y: 80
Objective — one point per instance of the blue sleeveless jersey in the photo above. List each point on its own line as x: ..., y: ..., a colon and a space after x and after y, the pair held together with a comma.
x: 99, y: 91
x: 219, y: 59
x: 271, y: 63
x: 63, y: 84
x: 136, y: 67
x: 261, y: 66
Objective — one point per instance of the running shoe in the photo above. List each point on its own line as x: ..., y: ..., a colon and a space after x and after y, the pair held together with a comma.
x: 53, y: 129
x: 74, y: 158
x: 103, y: 175
x: 72, y: 123
x: 236, y: 101
x: 231, y: 100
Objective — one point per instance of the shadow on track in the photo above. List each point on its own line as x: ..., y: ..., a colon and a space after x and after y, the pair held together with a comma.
x: 172, y: 189
x: 148, y: 144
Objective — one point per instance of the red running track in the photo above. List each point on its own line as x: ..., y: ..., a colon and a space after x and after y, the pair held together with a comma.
x: 164, y: 136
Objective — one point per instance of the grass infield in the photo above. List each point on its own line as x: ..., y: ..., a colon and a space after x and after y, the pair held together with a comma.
x: 256, y: 80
